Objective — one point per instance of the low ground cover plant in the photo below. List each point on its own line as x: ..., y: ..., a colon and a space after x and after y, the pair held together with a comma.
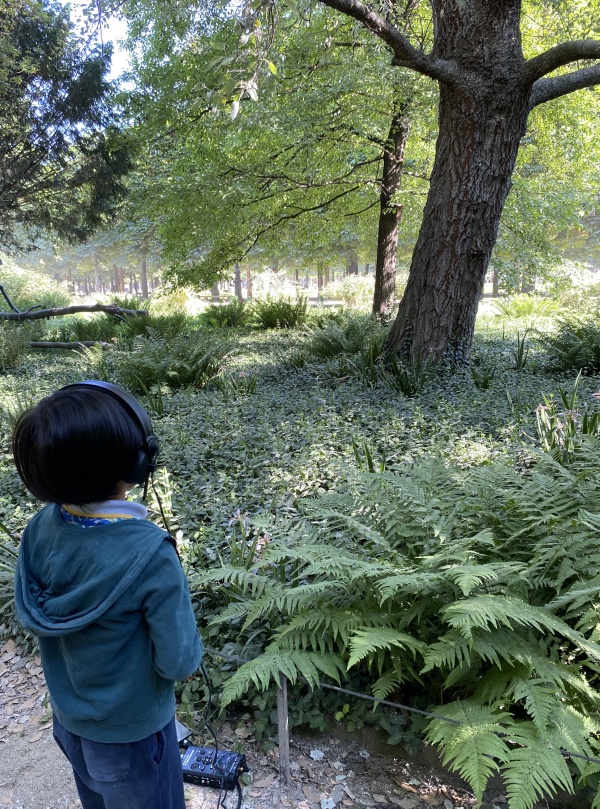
x: 423, y: 547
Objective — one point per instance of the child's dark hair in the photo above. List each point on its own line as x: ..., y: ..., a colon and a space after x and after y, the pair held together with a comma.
x: 75, y: 446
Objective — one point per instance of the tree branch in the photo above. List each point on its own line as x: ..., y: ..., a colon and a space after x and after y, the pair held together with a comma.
x: 40, y: 314
x: 74, y: 345
x: 559, y: 56
x: 547, y: 89
x: 405, y: 54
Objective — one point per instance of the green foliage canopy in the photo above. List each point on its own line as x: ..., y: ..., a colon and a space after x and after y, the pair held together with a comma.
x: 62, y: 156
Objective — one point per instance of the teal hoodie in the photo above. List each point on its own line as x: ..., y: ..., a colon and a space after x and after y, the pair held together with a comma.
x: 112, y: 611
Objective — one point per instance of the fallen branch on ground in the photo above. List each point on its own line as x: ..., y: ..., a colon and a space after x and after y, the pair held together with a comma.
x: 37, y: 313
x: 40, y: 314
x: 75, y: 344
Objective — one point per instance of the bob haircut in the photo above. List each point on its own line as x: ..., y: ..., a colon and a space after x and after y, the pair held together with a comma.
x: 75, y: 446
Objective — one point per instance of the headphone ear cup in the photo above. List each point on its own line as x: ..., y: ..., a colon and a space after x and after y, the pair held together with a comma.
x: 146, y: 461
x: 140, y: 471
x: 151, y: 454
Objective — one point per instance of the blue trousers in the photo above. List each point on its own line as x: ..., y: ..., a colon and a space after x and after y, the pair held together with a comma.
x: 140, y: 775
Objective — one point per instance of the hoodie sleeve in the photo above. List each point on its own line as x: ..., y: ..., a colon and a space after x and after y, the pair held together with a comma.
x: 167, y: 607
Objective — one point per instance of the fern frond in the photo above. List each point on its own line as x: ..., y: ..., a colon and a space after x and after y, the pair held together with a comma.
x: 283, y: 601
x: 540, y: 700
x: 273, y: 662
x: 533, y: 770
x: 574, y: 731
x: 492, y: 611
x: 365, y: 642
x: 390, y: 587
x: 577, y: 596
x: 389, y: 681
x: 469, y: 577
x: 312, y: 629
x: 448, y: 651
x: 473, y: 747
x: 231, y: 613
x: 247, y: 581
x: 359, y: 529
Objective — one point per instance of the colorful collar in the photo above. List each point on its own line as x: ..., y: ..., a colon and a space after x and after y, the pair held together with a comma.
x: 103, y: 513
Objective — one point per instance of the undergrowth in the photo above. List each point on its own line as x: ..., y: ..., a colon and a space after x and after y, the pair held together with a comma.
x: 419, y: 545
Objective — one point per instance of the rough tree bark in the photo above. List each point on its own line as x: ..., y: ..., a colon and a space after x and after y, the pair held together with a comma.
x: 487, y: 89
x: 475, y: 157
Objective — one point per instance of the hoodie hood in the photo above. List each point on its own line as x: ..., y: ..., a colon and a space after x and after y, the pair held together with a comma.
x: 68, y: 576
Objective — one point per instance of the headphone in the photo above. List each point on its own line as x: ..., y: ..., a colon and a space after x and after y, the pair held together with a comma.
x: 146, y: 460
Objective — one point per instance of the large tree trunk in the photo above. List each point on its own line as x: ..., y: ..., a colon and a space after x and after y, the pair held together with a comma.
x: 482, y: 117
x: 390, y: 215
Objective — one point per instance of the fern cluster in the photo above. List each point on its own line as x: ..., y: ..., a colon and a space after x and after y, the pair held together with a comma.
x: 575, y: 345
x: 232, y: 314
x: 345, y: 335
x: 153, y: 361
x: 279, y: 313
x: 477, y: 589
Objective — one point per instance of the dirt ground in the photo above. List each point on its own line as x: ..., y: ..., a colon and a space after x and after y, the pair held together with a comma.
x: 327, y: 772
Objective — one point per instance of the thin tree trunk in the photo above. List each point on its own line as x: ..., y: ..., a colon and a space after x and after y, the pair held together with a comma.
x: 352, y: 267
x: 237, y: 283
x: 390, y: 215
x: 144, y: 273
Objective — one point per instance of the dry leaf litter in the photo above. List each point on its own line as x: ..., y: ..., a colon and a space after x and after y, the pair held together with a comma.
x: 327, y: 772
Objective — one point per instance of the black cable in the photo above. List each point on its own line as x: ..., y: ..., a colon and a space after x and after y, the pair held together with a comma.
x: 391, y: 704
x: 205, y: 714
x: 236, y: 658
x: 158, y: 500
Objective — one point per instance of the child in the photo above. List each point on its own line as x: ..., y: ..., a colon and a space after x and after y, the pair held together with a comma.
x: 104, y: 591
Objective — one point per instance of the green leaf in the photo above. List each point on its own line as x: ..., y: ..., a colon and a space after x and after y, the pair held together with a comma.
x: 472, y: 748
x: 364, y: 642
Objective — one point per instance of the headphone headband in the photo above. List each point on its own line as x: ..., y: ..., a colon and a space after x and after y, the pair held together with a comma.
x: 146, y: 462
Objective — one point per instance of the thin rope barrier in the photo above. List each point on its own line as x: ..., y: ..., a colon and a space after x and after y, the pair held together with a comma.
x: 398, y: 705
